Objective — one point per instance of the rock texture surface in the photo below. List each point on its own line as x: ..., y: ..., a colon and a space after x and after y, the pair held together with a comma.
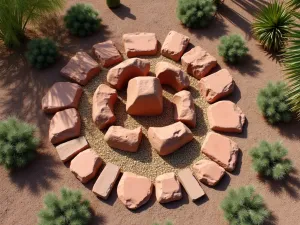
x: 133, y: 190
x: 168, y: 139
x: 119, y: 75
x: 144, y: 97
x: 81, y: 68
x: 107, y: 53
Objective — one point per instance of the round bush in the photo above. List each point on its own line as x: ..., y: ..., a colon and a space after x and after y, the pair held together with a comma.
x: 244, y: 206
x: 268, y: 160
x: 70, y: 209
x: 113, y: 3
x: 196, y: 13
x: 82, y: 20
x: 232, y: 48
x: 17, y: 143
x: 273, y: 103
x: 41, y: 53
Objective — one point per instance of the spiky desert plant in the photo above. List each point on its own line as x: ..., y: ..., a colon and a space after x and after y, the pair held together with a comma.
x: 18, y: 143
x: 196, y: 13
x: 232, y: 48
x: 70, y: 209
x: 268, y: 160
x: 113, y: 3
x: 243, y: 206
x: 272, y: 26
x: 16, y: 14
x: 82, y: 20
x: 273, y: 103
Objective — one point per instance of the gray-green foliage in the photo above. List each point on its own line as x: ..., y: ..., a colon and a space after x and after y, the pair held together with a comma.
x: 166, y: 223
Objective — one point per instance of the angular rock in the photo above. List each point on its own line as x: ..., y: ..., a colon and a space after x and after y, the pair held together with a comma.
x: 167, y: 188
x: 197, y: 62
x: 69, y: 149
x: 119, y: 75
x: 107, y: 53
x: 225, y: 116
x: 140, y: 44
x: 216, y: 85
x: 184, y: 108
x: 86, y: 165
x: 64, y: 126
x: 133, y: 190
x: 208, y: 172
x: 174, y: 45
x: 172, y: 76
x: 168, y: 139
x: 103, y: 103
x: 62, y: 95
x: 144, y: 97
x: 106, y: 180
x: 81, y: 68
x: 221, y: 149
x: 190, y: 184
x: 124, y: 139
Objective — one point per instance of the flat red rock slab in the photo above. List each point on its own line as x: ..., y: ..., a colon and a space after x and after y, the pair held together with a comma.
x: 197, y: 62
x: 221, y: 149
x: 140, y: 44
x: 81, y: 68
x: 216, y: 86
x: 69, y: 149
x: 86, y: 165
x: 190, y: 184
x: 133, y: 190
x: 65, y: 125
x: 118, y: 76
x: 107, y: 53
x: 174, y: 45
x: 62, y: 95
x: 225, y: 116
x: 106, y: 180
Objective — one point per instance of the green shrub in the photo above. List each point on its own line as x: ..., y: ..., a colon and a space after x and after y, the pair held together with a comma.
x: 273, y: 103
x: 232, y: 48
x: 268, y: 160
x: 70, y: 209
x: 41, y: 53
x: 82, y: 20
x: 17, y: 143
x: 195, y: 13
x: 113, y: 3
x: 167, y: 223
x: 243, y: 206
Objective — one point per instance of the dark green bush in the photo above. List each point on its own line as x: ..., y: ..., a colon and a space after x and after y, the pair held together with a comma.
x: 70, y: 209
x: 82, y: 20
x: 273, y: 103
x: 232, y: 48
x: 113, y: 3
x: 42, y: 53
x: 17, y: 143
x: 244, y: 207
x: 196, y: 13
x: 268, y: 160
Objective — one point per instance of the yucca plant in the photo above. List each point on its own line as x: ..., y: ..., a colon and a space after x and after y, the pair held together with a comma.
x: 16, y: 14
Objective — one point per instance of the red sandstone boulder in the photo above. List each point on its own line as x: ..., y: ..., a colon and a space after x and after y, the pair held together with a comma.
x: 103, y: 103
x: 119, y: 75
x: 221, y: 149
x: 81, y: 68
x: 171, y: 75
x: 62, y: 95
x: 64, y: 126
x: 184, y: 108
x: 144, y: 97
x: 174, y: 45
x: 133, y: 190
x: 140, y: 44
x: 168, y: 139
x: 225, y: 116
x: 197, y: 62
x: 107, y: 53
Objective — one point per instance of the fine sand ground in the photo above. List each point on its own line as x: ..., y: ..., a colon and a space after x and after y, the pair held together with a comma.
x: 21, y: 90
